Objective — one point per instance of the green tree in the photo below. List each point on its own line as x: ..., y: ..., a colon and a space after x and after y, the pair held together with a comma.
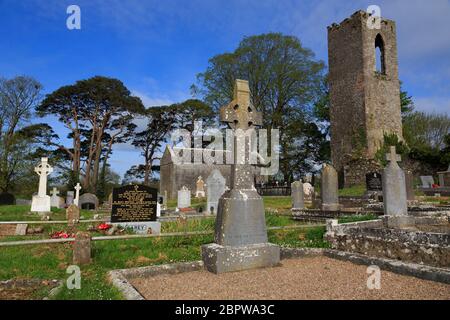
x: 20, y: 143
x: 284, y: 78
x: 94, y: 106
x: 160, y: 121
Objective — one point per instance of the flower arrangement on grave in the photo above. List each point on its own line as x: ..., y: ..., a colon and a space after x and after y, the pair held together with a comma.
x: 61, y: 235
x: 104, y: 227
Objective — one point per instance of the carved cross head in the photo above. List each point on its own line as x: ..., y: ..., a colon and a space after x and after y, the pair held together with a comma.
x: 392, y: 156
x: 240, y: 113
x: 43, y: 168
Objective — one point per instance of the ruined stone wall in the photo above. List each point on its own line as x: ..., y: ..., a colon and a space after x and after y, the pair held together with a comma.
x: 373, y: 239
x: 355, y: 170
x: 365, y: 103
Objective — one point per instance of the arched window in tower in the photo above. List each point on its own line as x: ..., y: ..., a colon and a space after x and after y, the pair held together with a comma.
x: 380, y: 66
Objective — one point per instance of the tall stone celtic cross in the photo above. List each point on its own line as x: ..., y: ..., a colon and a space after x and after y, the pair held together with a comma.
x: 43, y: 170
x: 241, y: 116
x: 392, y: 156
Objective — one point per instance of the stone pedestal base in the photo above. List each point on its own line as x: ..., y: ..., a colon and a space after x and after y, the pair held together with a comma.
x: 153, y: 227
x: 330, y: 207
x: 40, y: 204
x: 221, y: 259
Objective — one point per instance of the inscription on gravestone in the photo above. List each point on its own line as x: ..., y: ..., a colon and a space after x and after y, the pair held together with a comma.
x: 134, y: 203
x: 374, y: 182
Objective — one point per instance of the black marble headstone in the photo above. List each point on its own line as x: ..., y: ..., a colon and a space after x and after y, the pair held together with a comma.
x: 7, y: 199
x: 134, y: 203
x: 373, y: 181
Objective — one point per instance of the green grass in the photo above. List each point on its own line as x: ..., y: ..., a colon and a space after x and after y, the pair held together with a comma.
x: 283, y: 203
x: 51, y: 261
x: 355, y: 191
x: 356, y: 218
x: 22, y: 213
x: 195, y: 203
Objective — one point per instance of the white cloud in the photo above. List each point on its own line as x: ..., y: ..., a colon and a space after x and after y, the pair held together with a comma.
x: 433, y: 104
x: 152, y: 101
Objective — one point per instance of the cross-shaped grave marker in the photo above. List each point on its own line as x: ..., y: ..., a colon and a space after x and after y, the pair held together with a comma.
x: 77, y: 194
x: 43, y: 170
x: 54, y: 192
x: 240, y: 113
x: 392, y: 156
x: 241, y: 116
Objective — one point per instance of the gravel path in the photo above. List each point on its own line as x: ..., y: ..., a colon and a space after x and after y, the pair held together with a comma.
x: 297, y: 279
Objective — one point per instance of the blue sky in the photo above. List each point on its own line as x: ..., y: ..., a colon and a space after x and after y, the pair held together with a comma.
x: 157, y: 47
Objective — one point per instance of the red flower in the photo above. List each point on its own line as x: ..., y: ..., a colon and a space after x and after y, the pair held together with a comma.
x: 104, y: 226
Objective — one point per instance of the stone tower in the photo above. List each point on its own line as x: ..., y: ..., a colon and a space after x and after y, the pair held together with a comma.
x: 364, y: 94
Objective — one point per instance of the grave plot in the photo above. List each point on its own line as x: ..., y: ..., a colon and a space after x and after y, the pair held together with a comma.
x: 295, y: 279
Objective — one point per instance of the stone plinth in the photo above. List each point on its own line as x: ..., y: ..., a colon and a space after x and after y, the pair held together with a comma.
x: 148, y: 227
x: 220, y: 259
x: 41, y: 204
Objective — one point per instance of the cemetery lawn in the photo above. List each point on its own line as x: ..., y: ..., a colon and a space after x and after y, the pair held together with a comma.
x: 356, y: 218
x: 50, y: 261
x: 22, y: 213
x: 354, y: 191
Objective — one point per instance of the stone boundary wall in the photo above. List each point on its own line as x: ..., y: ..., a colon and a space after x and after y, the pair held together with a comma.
x: 378, y: 238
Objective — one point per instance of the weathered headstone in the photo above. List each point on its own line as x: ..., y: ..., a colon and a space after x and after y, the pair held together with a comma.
x: 394, y: 187
x: 200, y: 191
x: 298, y: 202
x: 7, y: 199
x: 76, y: 201
x: 72, y: 215
x: 240, y: 234
x: 41, y: 201
x: 444, y: 178
x: 374, y: 181
x: 308, y: 191
x: 427, y: 181
x: 216, y: 185
x: 409, y: 181
x: 21, y: 229
x: 69, y: 198
x: 329, y: 188
x: 54, y: 199
x: 184, y: 198
x: 22, y: 202
x: 82, y: 248
x: 88, y: 201
x: 135, y: 206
